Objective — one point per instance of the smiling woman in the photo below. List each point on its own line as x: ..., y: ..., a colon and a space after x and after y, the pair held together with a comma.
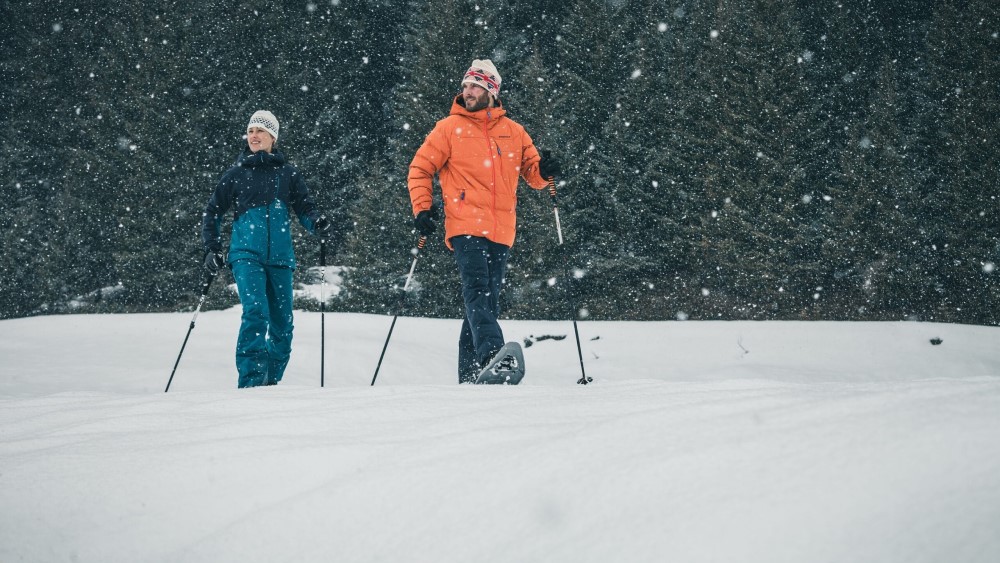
x: 261, y: 189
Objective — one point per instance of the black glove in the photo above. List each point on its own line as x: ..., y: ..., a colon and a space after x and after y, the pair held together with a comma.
x: 214, y: 261
x: 323, y: 227
x: 424, y: 221
x: 549, y: 166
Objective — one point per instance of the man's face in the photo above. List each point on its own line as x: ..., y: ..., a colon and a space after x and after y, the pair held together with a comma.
x: 475, y: 97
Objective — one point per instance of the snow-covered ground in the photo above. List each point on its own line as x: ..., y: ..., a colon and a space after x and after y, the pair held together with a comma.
x: 696, y: 441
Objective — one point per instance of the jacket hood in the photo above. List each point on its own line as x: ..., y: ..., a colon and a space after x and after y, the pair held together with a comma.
x: 260, y: 158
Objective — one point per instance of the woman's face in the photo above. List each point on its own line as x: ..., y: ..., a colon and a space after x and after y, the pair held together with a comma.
x: 259, y: 139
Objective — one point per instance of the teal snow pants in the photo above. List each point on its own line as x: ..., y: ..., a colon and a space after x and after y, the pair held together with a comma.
x: 265, y: 340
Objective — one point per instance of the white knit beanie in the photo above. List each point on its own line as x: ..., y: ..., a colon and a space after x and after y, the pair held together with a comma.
x: 483, y: 73
x: 266, y: 121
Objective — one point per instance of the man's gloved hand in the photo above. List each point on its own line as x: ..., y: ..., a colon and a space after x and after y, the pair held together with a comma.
x: 214, y: 261
x: 549, y: 166
x: 425, y: 222
x: 323, y: 227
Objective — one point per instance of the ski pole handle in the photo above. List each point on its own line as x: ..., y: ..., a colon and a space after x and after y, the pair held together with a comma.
x: 555, y: 208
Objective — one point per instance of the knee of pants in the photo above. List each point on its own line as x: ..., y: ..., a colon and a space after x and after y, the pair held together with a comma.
x: 281, y: 324
x: 255, y: 311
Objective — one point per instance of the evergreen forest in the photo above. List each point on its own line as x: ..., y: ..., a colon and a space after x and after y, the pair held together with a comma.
x: 722, y: 159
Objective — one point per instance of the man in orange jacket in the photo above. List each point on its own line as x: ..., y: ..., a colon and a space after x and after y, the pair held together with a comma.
x: 478, y: 154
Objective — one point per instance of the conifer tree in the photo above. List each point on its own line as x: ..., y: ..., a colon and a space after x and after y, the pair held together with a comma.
x: 809, y: 160
x: 962, y: 51
x: 538, y: 260
x: 589, y: 68
x: 430, y: 70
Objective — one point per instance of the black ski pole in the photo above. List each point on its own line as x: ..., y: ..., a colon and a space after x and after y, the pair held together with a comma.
x: 409, y: 277
x: 204, y: 293
x: 322, y: 312
x: 579, y: 351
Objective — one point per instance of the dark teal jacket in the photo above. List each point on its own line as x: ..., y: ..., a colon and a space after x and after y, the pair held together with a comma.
x: 264, y: 193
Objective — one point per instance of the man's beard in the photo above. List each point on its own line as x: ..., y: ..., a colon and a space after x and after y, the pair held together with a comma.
x: 477, y: 104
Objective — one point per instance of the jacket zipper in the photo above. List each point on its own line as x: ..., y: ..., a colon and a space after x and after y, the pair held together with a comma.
x: 493, y: 169
x: 267, y: 216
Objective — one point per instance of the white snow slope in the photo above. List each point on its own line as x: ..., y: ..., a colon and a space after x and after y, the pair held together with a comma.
x: 696, y: 441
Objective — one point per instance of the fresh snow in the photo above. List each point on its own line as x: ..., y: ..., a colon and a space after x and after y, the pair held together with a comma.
x: 696, y: 441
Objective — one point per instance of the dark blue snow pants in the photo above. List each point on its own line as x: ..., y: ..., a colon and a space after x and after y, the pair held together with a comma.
x: 481, y: 264
x: 265, y: 340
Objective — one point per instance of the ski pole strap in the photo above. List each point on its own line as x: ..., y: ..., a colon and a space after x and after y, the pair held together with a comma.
x: 413, y: 266
x: 322, y: 273
x: 204, y: 295
x: 205, y: 284
x: 552, y: 189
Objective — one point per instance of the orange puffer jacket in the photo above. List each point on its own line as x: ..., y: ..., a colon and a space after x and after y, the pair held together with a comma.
x: 478, y: 157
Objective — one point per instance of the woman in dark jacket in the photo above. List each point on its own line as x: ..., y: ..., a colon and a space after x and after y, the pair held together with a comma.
x: 264, y: 192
